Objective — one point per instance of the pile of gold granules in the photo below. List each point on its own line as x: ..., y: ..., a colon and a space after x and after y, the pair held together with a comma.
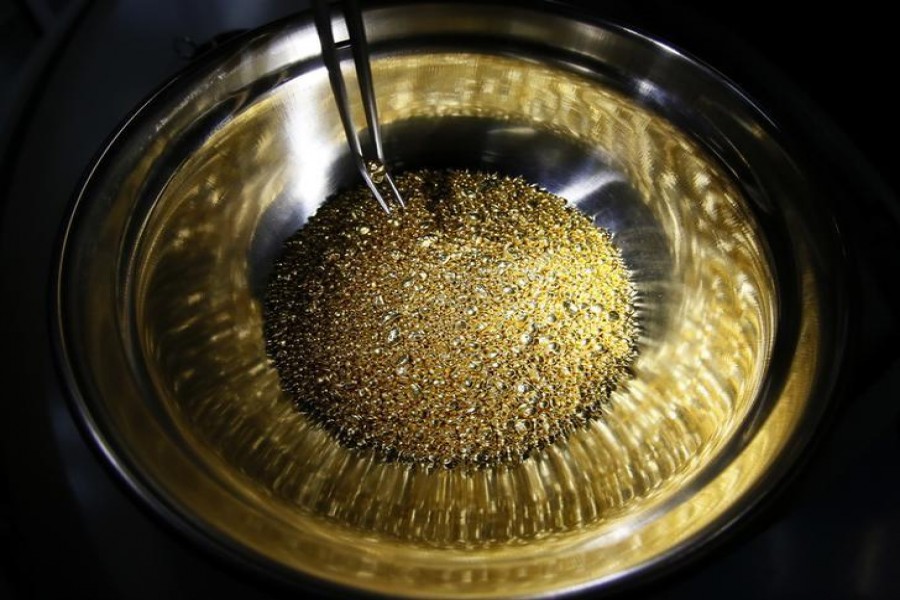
x: 482, y: 322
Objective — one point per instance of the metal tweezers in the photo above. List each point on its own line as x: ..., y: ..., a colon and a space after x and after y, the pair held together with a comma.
x: 360, y: 48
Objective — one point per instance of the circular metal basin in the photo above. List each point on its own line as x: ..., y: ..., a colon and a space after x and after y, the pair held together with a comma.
x: 737, y: 268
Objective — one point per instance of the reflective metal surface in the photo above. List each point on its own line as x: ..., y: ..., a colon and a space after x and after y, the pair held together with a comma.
x: 169, y: 247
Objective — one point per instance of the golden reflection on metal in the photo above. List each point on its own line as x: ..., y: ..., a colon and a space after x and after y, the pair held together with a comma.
x: 201, y: 330
x: 610, y: 497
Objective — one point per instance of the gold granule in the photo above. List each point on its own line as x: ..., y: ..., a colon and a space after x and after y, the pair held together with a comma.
x: 482, y: 322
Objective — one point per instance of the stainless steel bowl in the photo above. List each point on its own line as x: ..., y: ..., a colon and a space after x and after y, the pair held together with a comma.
x: 737, y: 266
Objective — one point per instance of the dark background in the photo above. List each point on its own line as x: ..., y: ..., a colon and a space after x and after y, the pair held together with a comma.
x: 70, y: 70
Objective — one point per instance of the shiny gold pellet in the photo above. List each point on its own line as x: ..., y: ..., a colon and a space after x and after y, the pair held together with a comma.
x: 482, y: 322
